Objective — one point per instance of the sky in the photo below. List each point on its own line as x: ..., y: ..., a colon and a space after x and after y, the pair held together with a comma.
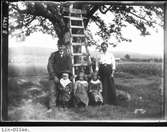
x: 152, y: 44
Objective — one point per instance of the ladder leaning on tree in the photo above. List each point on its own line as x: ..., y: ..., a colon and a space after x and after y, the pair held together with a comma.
x: 78, y: 42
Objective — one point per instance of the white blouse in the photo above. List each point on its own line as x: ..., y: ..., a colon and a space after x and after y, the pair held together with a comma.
x: 107, y: 58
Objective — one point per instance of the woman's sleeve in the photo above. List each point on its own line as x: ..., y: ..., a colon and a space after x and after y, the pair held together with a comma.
x: 101, y: 87
x: 97, y: 62
x: 113, y: 62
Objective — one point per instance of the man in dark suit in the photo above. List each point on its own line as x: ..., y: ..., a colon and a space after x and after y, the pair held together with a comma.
x: 59, y: 61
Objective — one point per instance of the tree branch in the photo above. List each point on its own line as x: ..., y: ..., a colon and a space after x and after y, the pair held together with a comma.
x: 45, y: 10
x: 138, y: 16
x: 142, y: 18
x: 90, y: 14
x: 30, y: 21
x: 94, y: 19
x: 104, y: 12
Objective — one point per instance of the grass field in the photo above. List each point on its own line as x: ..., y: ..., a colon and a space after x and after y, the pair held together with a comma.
x: 142, y: 81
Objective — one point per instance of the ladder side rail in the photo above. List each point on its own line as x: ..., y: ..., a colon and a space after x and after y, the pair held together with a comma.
x: 72, y: 57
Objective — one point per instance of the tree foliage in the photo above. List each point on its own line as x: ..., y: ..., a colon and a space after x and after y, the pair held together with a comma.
x: 48, y: 17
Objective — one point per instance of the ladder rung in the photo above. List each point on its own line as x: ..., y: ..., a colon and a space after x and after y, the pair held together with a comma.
x: 78, y: 18
x: 76, y: 26
x: 78, y: 11
x: 78, y: 35
x: 77, y: 43
x: 80, y: 64
x: 84, y: 17
x: 77, y: 54
x: 74, y: 18
x: 77, y: 21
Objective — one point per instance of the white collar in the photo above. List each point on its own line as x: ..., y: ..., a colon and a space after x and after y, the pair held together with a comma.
x: 64, y: 83
x: 104, y: 52
x: 95, y: 82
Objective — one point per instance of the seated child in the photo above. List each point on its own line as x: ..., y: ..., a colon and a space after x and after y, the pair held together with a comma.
x: 95, y: 89
x: 80, y: 91
x: 64, y: 90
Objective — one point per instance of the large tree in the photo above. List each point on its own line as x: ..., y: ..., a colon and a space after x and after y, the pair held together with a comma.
x: 48, y: 17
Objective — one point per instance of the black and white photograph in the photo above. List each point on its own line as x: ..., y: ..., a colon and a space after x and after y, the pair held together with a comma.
x: 85, y: 61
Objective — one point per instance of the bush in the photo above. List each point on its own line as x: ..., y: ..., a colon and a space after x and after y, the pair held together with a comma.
x: 138, y: 68
x: 15, y: 92
x: 127, y: 57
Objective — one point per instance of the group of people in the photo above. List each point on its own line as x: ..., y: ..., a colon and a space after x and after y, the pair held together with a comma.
x: 98, y: 89
x: 81, y: 92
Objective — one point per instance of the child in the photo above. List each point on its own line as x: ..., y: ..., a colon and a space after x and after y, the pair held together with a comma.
x: 64, y: 90
x: 80, y: 91
x: 95, y: 89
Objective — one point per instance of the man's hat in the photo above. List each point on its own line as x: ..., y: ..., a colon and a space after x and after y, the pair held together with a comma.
x: 66, y: 71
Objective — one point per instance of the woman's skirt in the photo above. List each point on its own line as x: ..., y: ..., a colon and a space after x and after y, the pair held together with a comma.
x: 109, y: 91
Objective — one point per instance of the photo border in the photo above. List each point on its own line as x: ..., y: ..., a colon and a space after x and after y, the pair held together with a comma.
x: 4, y: 73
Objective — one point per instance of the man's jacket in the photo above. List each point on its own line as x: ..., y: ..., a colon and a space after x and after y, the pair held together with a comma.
x: 57, y: 64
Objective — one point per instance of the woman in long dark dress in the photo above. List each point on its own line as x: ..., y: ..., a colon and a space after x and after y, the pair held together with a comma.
x: 106, y: 73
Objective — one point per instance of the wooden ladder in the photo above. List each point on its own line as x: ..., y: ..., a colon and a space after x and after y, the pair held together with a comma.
x: 80, y: 60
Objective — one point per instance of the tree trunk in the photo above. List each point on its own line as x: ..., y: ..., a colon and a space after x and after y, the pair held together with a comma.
x: 63, y: 34
x: 66, y: 40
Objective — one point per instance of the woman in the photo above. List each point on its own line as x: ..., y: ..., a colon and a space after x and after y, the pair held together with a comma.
x: 106, y: 73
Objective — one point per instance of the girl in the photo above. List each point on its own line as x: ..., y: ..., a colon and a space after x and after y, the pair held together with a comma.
x: 80, y: 91
x: 65, y: 90
x: 95, y: 89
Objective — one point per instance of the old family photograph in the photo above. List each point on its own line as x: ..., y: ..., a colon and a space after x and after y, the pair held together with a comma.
x: 85, y: 61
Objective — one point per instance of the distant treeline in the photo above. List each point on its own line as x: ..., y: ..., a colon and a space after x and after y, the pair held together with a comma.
x: 143, y: 60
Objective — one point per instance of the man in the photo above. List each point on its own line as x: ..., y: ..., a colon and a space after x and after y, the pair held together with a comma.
x: 106, y: 72
x: 59, y: 62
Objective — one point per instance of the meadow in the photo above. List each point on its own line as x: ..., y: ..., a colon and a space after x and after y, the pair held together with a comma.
x: 139, y: 86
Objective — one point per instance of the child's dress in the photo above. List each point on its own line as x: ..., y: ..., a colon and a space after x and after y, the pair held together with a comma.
x: 95, y: 89
x: 80, y: 92
x: 65, y: 91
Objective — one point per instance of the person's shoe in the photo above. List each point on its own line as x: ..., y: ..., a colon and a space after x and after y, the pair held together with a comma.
x: 65, y: 108
x: 60, y: 108
x: 49, y: 111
